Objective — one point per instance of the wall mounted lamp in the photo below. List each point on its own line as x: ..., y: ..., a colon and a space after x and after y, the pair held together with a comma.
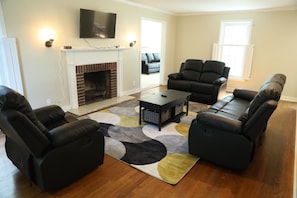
x: 49, y: 43
x: 132, y: 43
x: 47, y: 35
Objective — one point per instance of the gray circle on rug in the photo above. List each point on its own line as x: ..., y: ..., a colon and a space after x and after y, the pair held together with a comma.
x: 125, y: 134
x: 174, y: 143
x: 114, y: 148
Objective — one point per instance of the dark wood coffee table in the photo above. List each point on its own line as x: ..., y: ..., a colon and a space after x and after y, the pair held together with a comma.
x: 163, y: 107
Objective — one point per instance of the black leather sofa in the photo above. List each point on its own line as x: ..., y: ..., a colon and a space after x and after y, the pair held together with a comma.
x: 50, y: 148
x: 229, y: 132
x: 150, y: 63
x: 203, y: 79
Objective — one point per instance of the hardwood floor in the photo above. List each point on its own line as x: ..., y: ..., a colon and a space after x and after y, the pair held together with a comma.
x: 270, y: 174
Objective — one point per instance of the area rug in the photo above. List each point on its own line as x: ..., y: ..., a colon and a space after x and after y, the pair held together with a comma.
x: 161, y: 154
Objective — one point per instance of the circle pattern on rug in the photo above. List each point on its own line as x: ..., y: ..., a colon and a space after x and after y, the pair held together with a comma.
x: 114, y: 148
x: 181, y: 161
x: 141, y: 153
x: 105, y: 117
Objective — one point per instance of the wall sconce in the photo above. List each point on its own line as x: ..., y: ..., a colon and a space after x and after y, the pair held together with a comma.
x: 49, y: 43
x: 47, y: 35
x: 132, y: 43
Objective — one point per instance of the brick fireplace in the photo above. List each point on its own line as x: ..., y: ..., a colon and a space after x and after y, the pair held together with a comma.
x: 83, y: 63
x: 96, y: 82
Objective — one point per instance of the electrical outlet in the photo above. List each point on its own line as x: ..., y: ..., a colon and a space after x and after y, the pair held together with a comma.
x: 48, y: 101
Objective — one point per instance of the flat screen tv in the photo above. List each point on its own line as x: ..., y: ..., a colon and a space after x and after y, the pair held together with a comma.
x: 96, y: 24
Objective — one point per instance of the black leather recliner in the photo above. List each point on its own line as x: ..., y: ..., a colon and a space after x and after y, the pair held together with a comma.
x: 203, y: 79
x: 229, y: 132
x: 51, y: 149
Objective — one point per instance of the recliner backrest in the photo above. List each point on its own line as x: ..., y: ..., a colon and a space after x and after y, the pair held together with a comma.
x: 212, y: 70
x: 192, y: 69
x: 19, y: 122
x: 10, y: 99
x: 270, y: 90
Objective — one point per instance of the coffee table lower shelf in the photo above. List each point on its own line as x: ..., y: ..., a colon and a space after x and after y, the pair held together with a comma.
x: 166, y: 117
x: 163, y: 117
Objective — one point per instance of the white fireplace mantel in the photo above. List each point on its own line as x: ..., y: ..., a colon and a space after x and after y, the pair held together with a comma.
x: 85, y: 56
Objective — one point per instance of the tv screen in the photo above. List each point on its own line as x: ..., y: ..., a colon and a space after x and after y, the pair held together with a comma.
x: 96, y: 24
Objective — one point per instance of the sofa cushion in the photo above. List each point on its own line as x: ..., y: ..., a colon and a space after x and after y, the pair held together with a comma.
x: 182, y: 85
x: 277, y: 78
x: 204, y: 88
x: 269, y: 91
x: 212, y: 70
x: 144, y: 58
x: 192, y: 69
x: 193, y: 64
x: 156, y: 57
x: 150, y: 57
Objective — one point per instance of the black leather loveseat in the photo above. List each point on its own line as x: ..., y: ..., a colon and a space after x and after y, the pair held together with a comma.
x: 150, y: 63
x: 202, y: 79
x: 229, y: 132
x: 50, y: 148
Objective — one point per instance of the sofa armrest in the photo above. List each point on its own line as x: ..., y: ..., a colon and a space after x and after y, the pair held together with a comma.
x: 220, y: 81
x: 144, y: 62
x: 72, y: 131
x: 220, y: 122
x: 175, y: 76
x: 244, y: 94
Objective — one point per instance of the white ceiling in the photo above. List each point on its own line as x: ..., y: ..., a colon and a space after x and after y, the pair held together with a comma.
x: 198, y: 6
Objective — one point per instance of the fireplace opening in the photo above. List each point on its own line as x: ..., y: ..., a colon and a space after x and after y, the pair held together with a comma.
x: 97, y: 86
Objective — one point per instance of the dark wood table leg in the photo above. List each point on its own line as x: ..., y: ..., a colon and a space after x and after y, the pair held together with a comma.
x: 140, y: 114
x: 160, y: 118
x: 187, y: 103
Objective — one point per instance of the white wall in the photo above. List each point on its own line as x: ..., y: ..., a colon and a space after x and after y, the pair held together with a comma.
x: 274, y: 35
x: 43, y: 76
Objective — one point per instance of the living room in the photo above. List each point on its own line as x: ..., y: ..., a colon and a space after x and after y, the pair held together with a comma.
x: 45, y: 80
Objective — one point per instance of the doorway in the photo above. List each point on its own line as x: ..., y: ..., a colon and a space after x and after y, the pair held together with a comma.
x: 151, y: 43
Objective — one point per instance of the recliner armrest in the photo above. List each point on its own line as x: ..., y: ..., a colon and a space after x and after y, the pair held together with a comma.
x: 175, y: 76
x: 220, y: 81
x: 244, y: 94
x: 218, y: 121
x: 72, y: 131
x: 49, y: 114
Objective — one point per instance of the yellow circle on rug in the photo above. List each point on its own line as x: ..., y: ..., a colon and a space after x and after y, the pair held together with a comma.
x: 173, y: 167
x: 183, y: 129
x: 129, y: 121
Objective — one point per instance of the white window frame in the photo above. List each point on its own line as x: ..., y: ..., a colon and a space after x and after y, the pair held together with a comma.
x: 246, y: 62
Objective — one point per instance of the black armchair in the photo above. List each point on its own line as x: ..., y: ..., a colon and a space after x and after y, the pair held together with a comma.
x: 51, y: 149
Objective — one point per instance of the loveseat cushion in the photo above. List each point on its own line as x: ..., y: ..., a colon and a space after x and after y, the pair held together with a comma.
x: 156, y: 57
x: 182, y: 85
x: 212, y: 70
x: 144, y: 58
x: 150, y: 57
x: 204, y: 88
x: 192, y: 69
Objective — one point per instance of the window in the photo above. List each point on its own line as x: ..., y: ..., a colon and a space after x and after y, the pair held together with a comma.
x: 234, y: 48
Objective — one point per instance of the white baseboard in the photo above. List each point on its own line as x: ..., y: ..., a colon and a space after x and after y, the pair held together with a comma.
x: 131, y: 91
